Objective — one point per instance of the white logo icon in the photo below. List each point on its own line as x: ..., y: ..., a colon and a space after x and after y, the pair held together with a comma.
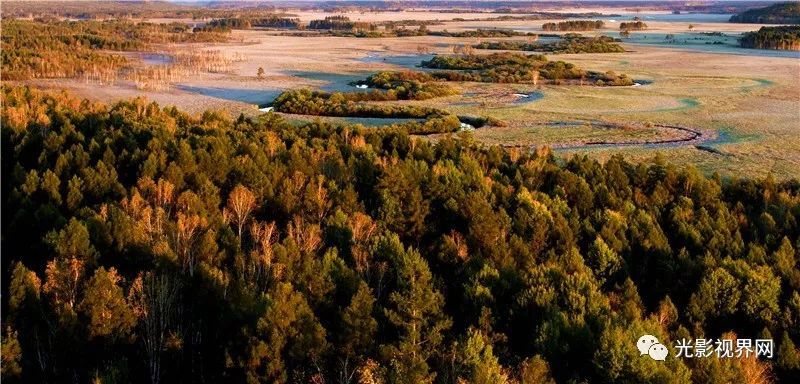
x: 649, y: 345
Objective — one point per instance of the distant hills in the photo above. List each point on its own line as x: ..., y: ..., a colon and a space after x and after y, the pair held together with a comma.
x: 781, y: 13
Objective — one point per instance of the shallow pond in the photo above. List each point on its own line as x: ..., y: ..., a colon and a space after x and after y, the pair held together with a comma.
x: 335, y: 82
x: 252, y: 96
x: 525, y: 98
x: 407, y: 61
x: 156, y: 58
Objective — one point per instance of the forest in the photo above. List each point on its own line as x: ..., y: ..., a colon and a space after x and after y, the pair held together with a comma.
x: 782, y: 37
x: 569, y: 43
x: 63, y: 49
x: 780, y: 13
x: 573, y: 25
x: 144, y: 244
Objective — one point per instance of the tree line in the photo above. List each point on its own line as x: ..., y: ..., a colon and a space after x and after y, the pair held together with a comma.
x: 371, y: 30
x: 99, y: 10
x: 144, y: 244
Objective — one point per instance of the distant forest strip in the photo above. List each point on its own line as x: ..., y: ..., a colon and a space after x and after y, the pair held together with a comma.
x: 781, y: 13
x: 507, y: 67
x: 570, y: 43
x: 372, y: 31
x: 59, y: 49
x: 339, y: 23
x: 781, y: 38
x: 144, y: 244
x: 88, y: 10
x: 574, y: 25
x: 227, y: 24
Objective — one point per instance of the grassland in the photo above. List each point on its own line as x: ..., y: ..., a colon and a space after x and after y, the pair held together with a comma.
x: 747, y: 104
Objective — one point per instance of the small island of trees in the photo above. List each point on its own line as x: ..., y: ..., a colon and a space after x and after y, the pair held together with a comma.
x: 637, y: 25
x: 574, y: 25
x: 570, y: 43
x: 509, y: 67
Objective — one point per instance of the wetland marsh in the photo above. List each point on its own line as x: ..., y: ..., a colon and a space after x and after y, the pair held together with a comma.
x: 696, y: 78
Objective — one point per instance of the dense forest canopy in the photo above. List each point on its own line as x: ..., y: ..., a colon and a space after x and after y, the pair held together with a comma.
x: 783, y: 38
x: 780, y: 13
x: 143, y: 244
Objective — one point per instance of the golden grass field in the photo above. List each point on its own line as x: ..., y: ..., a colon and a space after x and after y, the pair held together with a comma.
x: 748, y: 104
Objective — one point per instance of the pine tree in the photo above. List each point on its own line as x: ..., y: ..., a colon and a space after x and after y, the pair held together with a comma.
x: 358, y: 330
x: 478, y: 363
x: 104, y: 304
x: 788, y: 355
x: 415, y: 310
